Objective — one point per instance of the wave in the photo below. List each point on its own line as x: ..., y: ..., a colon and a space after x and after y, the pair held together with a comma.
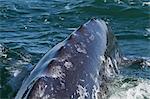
x: 130, y: 88
x: 132, y: 36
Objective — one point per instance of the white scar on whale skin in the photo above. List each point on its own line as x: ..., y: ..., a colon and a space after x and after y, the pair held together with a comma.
x: 109, y: 68
x: 68, y: 65
x: 81, y: 50
x: 64, y: 58
x: 95, y: 92
x: 87, y: 40
x: 92, y: 37
x: 81, y: 62
x: 56, y: 72
x: 83, y: 44
x: 82, y: 91
x: 102, y: 59
x: 40, y: 93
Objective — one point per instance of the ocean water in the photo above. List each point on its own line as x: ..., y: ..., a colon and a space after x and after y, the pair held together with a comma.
x: 29, y: 28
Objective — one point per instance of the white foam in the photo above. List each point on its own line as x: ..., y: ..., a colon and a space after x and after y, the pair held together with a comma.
x: 136, y: 90
x: 67, y: 7
x: 71, y: 29
x: 146, y: 3
x: 16, y: 72
x: 1, y: 51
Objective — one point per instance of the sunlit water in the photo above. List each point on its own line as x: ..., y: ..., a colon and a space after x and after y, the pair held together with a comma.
x: 29, y: 28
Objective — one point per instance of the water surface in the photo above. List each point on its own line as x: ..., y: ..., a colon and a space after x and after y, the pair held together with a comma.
x: 29, y: 28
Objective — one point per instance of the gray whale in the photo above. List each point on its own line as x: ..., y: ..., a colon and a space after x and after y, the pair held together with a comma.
x: 77, y: 68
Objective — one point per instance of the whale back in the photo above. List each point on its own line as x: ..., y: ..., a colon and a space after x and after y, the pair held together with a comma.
x: 77, y: 68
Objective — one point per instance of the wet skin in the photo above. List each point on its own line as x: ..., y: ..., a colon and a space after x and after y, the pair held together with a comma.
x: 77, y: 68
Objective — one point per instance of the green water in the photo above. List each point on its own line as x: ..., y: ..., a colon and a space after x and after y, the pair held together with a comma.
x: 29, y: 28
